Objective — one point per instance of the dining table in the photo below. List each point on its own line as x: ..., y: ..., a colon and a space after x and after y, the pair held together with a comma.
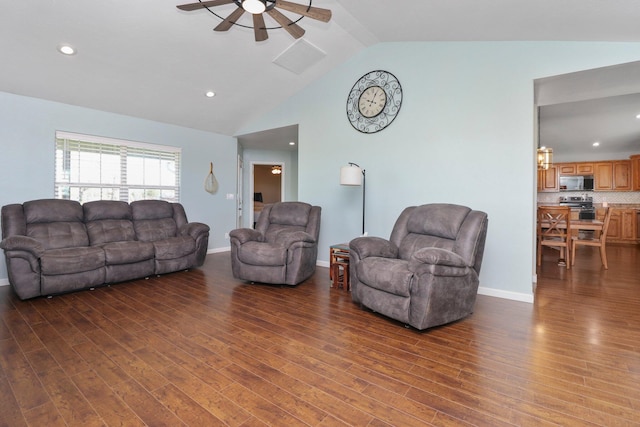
x: 576, y: 225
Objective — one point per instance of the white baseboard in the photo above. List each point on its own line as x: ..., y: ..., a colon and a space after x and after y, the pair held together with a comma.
x: 499, y: 293
x: 218, y: 250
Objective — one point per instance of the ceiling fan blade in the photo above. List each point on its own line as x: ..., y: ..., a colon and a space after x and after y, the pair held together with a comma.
x: 318, y: 13
x: 259, y: 29
x: 286, y: 23
x: 230, y: 20
x: 202, y: 5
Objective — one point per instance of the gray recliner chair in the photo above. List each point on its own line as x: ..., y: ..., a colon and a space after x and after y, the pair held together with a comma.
x: 282, y: 249
x: 426, y: 274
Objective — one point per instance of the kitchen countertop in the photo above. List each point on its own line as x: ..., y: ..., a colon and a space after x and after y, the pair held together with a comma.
x: 597, y: 205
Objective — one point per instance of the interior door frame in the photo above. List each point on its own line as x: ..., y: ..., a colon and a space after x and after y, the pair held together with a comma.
x: 252, y: 181
x: 239, y: 195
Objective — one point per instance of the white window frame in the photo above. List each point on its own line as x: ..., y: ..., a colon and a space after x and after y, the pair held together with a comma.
x: 67, y: 184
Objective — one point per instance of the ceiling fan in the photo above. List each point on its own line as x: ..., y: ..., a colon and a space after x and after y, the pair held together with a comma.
x: 257, y: 8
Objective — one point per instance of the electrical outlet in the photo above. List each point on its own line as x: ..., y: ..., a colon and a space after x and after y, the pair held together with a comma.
x: 226, y: 236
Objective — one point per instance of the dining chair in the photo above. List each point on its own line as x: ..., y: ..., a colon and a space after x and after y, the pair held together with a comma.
x: 554, y: 230
x: 599, y: 240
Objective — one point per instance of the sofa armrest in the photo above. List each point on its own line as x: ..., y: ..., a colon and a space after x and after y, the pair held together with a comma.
x: 23, y: 243
x: 439, y: 262
x: 243, y: 235
x: 373, y: 246
x: 194, y: 229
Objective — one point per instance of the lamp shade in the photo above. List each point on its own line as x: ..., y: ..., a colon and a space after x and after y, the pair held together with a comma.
x: 351, y: 175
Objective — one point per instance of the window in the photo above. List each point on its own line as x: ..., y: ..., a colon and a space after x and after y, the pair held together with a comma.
x: 94, y: 168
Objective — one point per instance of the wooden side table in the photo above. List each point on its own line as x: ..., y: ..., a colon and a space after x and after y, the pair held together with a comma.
x: 339, y: 266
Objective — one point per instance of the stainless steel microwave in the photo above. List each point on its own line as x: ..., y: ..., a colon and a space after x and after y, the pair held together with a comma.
x: 576, y: 182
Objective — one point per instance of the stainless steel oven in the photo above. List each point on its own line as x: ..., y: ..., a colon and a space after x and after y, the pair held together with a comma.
x: 587, y: 213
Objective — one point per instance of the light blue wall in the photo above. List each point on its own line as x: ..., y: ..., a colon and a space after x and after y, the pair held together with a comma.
x: 465, y: 134
x: 27, y: 135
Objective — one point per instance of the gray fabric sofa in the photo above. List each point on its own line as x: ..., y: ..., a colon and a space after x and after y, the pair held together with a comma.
x: 427, y: 273
x: 55, y: 246
x: 282, y: 249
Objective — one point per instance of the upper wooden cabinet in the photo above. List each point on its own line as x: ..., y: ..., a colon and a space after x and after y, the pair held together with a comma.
x: 584, y: 168
x: 635, y: 172
x: 603, y: 176
x: 579, y: 168
x: 566, y: 168
x: 622, y: 175
x: 612, y: 176
x: 548, y: 179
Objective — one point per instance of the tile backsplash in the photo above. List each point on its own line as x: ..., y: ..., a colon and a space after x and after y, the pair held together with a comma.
x: 622, y: 197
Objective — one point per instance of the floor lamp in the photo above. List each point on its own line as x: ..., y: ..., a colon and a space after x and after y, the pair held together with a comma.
x: 354, y: 175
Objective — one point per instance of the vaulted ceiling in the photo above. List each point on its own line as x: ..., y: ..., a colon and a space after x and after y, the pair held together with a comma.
x: 147, y: 59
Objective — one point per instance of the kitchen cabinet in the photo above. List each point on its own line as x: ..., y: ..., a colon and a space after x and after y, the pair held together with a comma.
x: 584, y: 168
x: 622, y: 226
x: 622, y: 175
x: 548, y: 179
x: 612, y: 176
x: 603, y: 176
x: 579, y: 168
x: 566, y: 168
x: 635, y: 172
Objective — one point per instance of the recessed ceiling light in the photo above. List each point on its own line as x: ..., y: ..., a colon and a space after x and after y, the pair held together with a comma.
x: 638, y: 116
x: 292, y: 143
x: 210, y: 94
x: 596, y: 144
x: 66, y: 49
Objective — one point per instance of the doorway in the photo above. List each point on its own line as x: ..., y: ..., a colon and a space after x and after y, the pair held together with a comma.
x: 267, y: 186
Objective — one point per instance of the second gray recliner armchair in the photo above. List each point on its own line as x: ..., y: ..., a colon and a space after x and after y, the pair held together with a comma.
x: 283, y: 248
x: 426, y: 274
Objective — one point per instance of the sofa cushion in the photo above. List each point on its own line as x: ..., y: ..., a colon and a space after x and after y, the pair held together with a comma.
x: 52, y: 210
x: 106, y: 209
x: 153, y: 220
x: 127, y: 252
x: 174, y: 247
x: 57, y: 235
x: 55, y: 223
x: 151, y: 209
x: 152, y: 230
x: 437, y: 219
x: 292, y: 213
x: 71, y: 260
x: 110, y: 230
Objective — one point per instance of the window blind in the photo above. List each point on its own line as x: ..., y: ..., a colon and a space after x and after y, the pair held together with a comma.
x: 96, y: 168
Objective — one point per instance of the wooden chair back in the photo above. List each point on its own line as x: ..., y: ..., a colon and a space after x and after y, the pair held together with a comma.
x: 554, y: 229
x: 599, y: 240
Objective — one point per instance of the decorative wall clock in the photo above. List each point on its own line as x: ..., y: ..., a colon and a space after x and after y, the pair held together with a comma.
x: 374, y: 101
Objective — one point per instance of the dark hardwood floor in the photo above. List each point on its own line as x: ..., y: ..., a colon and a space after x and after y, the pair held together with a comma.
x: 199, y: 348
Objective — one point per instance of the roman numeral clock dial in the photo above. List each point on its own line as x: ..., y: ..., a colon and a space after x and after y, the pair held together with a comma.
x: 374, y: 101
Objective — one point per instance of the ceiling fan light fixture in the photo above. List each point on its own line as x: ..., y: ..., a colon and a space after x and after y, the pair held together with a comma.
x: 254, y: 6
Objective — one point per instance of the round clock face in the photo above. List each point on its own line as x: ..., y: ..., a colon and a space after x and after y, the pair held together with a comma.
x: 374, y: 101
